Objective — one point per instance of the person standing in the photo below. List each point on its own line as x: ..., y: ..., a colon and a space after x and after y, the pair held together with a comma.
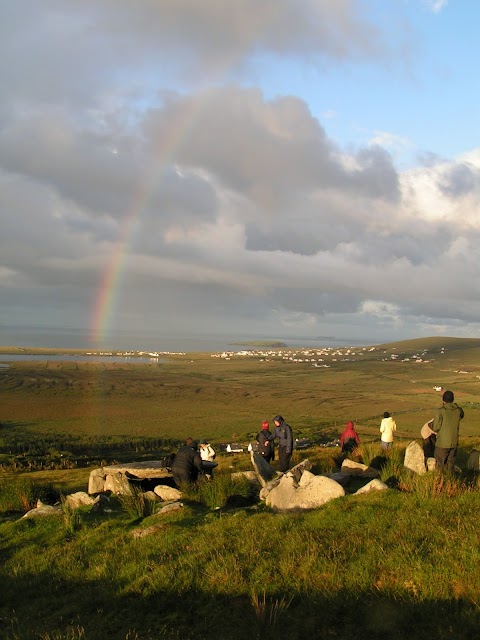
x: 387, y: 429
x: 283, y: 432
x: 349, y: 438
x: 266, y: 448
x: 187, y: 464
x: 446, y: 425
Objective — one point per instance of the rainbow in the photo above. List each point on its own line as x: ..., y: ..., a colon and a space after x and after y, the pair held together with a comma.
x: 108, y: 291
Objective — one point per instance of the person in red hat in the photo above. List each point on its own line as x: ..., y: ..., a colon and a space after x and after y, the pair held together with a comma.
x: 349, y: 438
x: 265, y: 447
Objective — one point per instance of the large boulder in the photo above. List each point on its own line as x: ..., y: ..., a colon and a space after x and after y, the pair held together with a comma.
x: 96, y: 481
x: 118, y: 483
x: 415, y: 458
x: 352, y: 468
x: 264, y: 491
x: 309, y: 493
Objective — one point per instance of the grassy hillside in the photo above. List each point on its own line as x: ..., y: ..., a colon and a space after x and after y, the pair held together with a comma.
x: 228, y: 399
x: 387, y: 565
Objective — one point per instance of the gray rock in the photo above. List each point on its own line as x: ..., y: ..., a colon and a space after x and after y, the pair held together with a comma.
x: 42, y: 511
x: 431, y: 464
x: 342, y: 478
x: 297, y: 470
x: 100, y: 479
x: 311, y: 492
x: 373, y: 485
x: 139, y: 470
x: 473, y: 463
x: 96, y: 481
x: 101, y: 503
x: 264, y: 491
x: 262, y: 468
x: 167, y: 493
x: 78, y: 499
x: 172, y: 506
x: 415, y: 458
x: 352, y: 468
x: 151, y: 495
x: 118, y: 483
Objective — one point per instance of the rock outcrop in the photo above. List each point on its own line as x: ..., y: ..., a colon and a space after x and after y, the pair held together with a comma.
x: 309, y: 493
x: 415, y: 458
x: 117, y: 477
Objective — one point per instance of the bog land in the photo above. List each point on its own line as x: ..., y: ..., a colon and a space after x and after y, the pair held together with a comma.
x: 396, y: 564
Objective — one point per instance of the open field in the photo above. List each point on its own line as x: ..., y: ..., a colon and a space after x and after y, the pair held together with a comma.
x: 226, y: 399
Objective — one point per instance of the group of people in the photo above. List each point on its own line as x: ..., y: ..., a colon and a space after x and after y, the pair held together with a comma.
x: 196, y: 459
x: 440, y: 434
x: 350, y: 440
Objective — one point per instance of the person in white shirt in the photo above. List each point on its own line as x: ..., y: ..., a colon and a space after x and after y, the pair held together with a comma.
x: 207, y: 454
x: 387, y: 429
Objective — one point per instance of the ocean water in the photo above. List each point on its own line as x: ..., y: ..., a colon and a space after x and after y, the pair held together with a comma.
x: 77, y: 339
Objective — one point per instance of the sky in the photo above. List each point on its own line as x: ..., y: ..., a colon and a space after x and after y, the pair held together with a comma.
x: 271, y: 168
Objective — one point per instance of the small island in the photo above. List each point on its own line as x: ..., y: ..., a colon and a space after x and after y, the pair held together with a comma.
x: 271, y: 344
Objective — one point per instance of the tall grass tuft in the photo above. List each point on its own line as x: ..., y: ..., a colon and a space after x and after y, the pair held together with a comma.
x: 221, y: 491
x: 21, y: 494
x: 268, y: 614
x: 73, y: 521
x: 74, y: 633
x: 136, y: 504
x: 434, y: 484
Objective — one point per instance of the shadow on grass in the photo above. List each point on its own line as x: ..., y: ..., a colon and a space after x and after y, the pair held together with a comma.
x: 97, y: 609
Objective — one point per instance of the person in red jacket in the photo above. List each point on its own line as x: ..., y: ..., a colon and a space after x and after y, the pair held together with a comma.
x: 349, y: 438
x: 265, y: 447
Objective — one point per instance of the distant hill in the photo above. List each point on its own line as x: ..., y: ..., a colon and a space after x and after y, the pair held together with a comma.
x: 432, y: 344
x: 272, y: 344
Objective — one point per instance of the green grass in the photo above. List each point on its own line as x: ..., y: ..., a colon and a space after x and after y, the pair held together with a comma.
x: 383, y: 563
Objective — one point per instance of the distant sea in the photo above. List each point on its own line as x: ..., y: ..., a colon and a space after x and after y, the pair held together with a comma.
x: 75, y: 339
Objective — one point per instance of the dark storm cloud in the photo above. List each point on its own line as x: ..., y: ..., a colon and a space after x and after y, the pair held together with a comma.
x: 127, y: 142
x: 460, y: 180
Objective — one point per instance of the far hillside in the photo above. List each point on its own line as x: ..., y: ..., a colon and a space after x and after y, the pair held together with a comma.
x: 432, y: 344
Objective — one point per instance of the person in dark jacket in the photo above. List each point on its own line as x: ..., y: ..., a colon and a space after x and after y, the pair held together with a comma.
x: 266, y: 448
x: 446, y: 425
x: 283, y: 432
x: 349, y: 438
x: 187, y: 464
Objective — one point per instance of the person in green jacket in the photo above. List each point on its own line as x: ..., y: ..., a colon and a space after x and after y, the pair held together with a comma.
x: 446, y: 425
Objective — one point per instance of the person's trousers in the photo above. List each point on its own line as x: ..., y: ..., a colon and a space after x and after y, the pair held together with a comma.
x: 445, y: 458
x: 283, y: 458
